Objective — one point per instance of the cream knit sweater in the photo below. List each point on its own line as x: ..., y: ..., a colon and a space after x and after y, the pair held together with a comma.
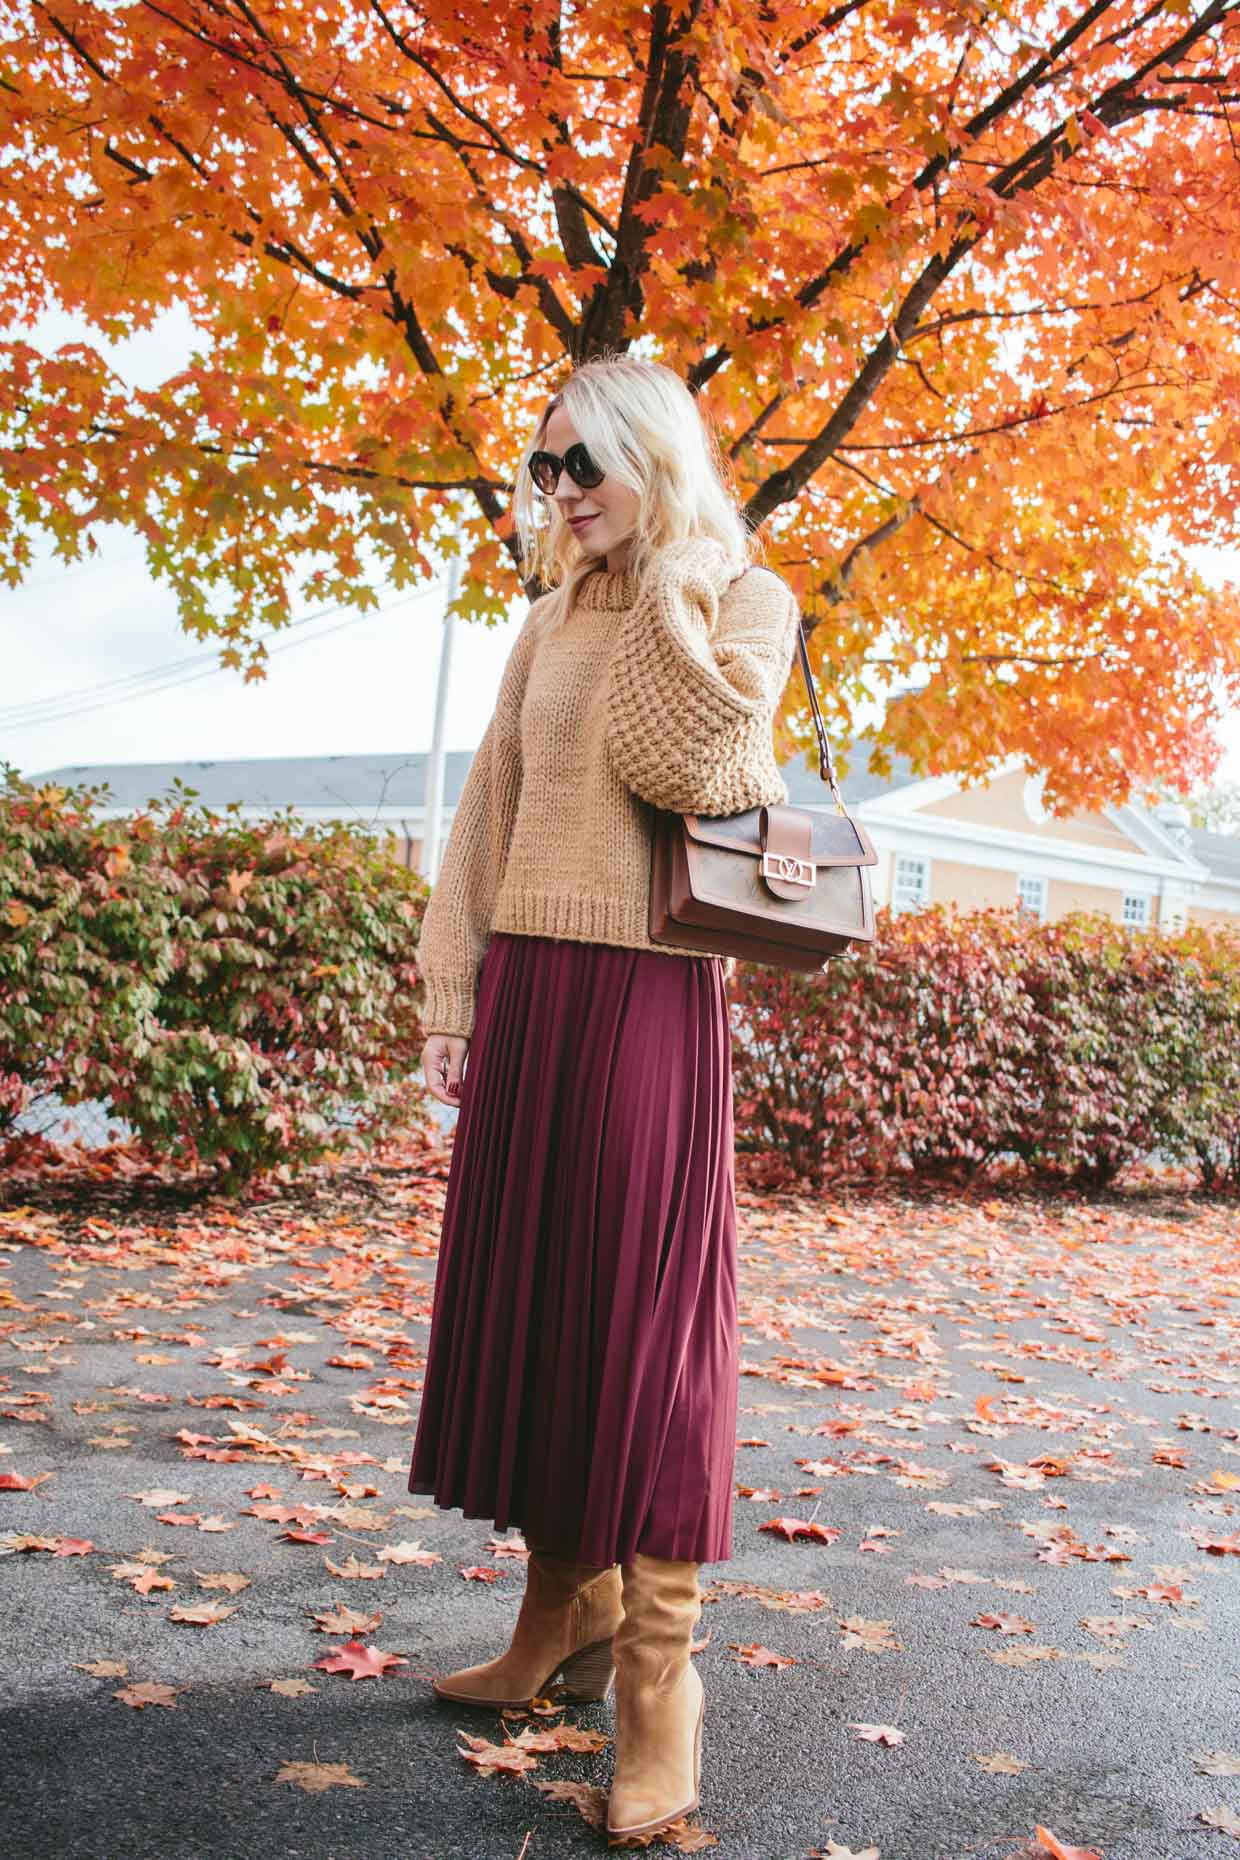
x: 661, y: 696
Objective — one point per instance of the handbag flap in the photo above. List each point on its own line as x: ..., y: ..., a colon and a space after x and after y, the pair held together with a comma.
x: 835, y: 839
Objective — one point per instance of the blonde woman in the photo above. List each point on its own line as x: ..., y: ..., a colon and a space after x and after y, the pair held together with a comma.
x: 581, y: 1374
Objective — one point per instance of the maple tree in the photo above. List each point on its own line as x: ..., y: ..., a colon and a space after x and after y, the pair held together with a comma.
x: 956, y: 284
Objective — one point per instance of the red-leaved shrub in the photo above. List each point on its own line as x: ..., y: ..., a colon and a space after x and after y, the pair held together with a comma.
x: 1076, y: 1046
x: 241, y: 993
x: 247, y: 994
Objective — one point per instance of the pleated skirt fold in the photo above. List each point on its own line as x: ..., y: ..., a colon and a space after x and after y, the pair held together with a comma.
x: 581, y: 1372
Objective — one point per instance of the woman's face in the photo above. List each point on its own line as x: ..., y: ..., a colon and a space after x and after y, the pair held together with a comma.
x: 604, y: 518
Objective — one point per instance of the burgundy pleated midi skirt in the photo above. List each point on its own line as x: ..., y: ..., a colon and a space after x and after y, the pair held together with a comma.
x: 581, y: 1372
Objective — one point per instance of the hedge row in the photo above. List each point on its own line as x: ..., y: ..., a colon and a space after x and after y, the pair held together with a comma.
x: 247, y: 994
x: 1077, y: 1047
x: 243, y: 994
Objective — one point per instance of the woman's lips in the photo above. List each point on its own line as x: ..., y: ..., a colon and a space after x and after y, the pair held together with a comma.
x: 579, y: 523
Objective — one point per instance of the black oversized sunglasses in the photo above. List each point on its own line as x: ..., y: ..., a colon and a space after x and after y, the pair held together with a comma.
x: 545, y: 468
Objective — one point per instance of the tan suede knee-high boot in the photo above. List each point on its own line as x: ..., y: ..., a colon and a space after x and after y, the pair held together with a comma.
x: 568, y: 1615
x: 660, y: 1700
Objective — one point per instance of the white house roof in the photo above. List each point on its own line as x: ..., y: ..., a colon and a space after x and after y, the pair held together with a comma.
x: 1219, y: 851
x: 391, y: 787
x: 340, y: 786
x: 362, y: 783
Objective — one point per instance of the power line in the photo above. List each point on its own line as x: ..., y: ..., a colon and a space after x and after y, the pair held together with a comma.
x: 210, y: 671
x: 173, y: 677
x: 17, y: 712
x: 175, y: 673
x: 174, y: 684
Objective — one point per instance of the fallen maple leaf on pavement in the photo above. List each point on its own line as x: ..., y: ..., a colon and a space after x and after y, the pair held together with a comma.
x: 359, y: 1662
x: 1006, y: 1624
x: 354, y: 1571
x: 1217, y: 1762
x: 490, y: 1759
x: 561, y: 1737
x: 410, y: 1551
x: 871, y: 1636
x: 315, y: 1777
x: 1226, y: 1820
x: 999, y: 1762
x: 146, y: 1693
x: 761, y: 1656
x: 1218, y: 1546
x: 587, y: 1798
x: 792, y: 1528
x: 1058, y: 1851
x: 286, y: 1514
x: 203, y: 1614
x: 345, y: 1620
x: 141, y: 1576
x: 230, y: 1579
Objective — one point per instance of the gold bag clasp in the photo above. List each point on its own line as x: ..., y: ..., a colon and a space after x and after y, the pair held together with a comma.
x: 793, y: 871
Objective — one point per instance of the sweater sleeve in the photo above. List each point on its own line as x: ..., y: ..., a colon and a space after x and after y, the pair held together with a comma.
x: 695, y: 682
x: 456, y: 923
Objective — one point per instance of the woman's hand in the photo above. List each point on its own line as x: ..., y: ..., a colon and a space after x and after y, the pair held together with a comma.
x: 443, y: 1058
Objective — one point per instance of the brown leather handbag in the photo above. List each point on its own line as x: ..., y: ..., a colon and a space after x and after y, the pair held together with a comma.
x: 786, y: 886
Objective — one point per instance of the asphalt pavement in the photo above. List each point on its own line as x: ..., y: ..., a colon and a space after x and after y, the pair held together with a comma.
x: 1014, y: 1414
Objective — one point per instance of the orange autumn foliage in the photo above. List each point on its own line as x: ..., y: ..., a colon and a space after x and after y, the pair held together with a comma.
x: 956, y: 283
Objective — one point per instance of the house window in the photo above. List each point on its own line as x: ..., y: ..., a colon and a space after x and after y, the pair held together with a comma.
x: 1031, y: 896
x: 910, y: 885
x: 1136, y: 908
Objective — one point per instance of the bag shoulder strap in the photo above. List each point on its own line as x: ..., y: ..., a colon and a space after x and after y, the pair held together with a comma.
x: 826, y: 767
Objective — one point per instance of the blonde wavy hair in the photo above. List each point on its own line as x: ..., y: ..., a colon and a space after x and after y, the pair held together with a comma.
x: 638, y: 421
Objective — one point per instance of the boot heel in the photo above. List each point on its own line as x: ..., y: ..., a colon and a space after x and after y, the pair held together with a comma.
x: 589, y: 1673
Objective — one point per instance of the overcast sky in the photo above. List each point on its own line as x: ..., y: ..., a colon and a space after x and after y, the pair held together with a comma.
x: 343, y: 684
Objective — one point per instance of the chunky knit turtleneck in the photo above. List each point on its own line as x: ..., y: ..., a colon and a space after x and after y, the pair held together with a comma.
x: 607, y: 592
x: 658, y: 695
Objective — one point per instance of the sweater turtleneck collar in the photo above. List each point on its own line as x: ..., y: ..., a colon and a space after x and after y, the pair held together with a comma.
x: 604, y: 591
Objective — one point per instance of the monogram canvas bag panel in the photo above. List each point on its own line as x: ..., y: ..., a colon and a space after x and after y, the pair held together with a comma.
x: 835, y: 839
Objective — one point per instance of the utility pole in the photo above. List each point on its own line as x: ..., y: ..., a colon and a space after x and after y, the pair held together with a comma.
x: 433, y: 809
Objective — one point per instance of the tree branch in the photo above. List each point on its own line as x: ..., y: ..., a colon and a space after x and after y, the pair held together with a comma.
x: 663, y: 118
x: 847, y: 255
x: 1021, y: 175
